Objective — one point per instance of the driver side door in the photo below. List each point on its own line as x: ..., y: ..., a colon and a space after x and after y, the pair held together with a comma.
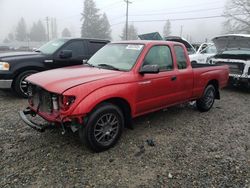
x: 157, y: 90
x: 78, y: 50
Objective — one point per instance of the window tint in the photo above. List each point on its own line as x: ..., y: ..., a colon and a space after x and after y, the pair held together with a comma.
x: 95, y: 46
x: 159, y: 55
x: 77, y: 48
x: 180, y: 57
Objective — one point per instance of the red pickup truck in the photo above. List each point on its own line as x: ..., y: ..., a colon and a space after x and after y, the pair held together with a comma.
x: 121, y: 81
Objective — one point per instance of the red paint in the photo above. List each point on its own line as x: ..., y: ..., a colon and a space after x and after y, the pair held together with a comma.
x: 144, y: 93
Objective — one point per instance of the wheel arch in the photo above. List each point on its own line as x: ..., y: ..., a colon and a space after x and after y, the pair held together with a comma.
x: 215, y: 83
x: 124, y: 105
x: 23, y: 69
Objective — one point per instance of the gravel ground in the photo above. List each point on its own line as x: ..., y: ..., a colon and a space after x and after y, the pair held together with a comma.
x: 192, y: 149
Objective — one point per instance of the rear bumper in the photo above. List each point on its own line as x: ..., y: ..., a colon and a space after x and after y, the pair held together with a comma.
x: 5, y: 84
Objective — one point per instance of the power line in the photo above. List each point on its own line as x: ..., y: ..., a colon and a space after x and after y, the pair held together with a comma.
x: 187, y: 6
x: 177, y: 19
x: 179, y: 12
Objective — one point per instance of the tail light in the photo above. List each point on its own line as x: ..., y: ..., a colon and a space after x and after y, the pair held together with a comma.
x: 66, y: 101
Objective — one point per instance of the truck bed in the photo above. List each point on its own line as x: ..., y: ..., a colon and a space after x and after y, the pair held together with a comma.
x: 203, y: 73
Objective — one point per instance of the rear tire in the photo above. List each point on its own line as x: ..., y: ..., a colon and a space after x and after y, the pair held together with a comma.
x: 206, y: 102
x: 20, y: 86
x: 103, y: 128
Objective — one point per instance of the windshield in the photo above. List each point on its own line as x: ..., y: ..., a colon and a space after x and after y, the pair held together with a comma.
x: 237, y: 52
x: 117, y: 56
x: 52, y: 46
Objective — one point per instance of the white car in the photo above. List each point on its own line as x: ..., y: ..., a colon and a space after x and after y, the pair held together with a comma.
x: 203, y: 54
x: 234, y: 51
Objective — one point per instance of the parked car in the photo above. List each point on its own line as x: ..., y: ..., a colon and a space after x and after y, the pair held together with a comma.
x: 203, y: 54
x: 121, y: 81
x: 16, y: 66
x: 234, y: 50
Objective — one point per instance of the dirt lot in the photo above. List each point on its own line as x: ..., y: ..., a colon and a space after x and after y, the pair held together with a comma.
x: 192, y: 149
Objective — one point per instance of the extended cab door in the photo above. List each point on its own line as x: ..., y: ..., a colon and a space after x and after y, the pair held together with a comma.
x: 157, y: 90
x: 72, y: 53
x: 184, y: 74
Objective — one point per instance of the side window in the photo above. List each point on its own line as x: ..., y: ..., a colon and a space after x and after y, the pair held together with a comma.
x: 159, y: 55
x: 95, y: 46
x: 77, y: 48
x: 180, y: 57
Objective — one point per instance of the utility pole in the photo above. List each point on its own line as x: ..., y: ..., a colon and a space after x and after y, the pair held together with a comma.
x: 128, y: 2
x: 47, y: 21
x: 181, y: 30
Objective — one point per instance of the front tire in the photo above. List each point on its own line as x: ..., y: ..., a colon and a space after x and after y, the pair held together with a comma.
x: 206, y: 102
x: 103, y: 129
x: 20, y: 85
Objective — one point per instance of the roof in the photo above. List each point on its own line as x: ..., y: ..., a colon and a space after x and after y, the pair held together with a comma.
x: 95, y: 39
x: 145, y: 42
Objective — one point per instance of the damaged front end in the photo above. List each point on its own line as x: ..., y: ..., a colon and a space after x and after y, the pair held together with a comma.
x: 52, y: 108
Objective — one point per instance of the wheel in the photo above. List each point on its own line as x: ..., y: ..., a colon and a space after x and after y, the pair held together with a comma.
x: 205, y: 103
x: 103, y: 128
x: 20, y: 85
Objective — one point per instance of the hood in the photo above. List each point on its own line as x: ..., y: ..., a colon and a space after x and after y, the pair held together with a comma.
x: 190, y: 48
x: 19, y: 55
x: 60, y: 80
x: 232, y: 42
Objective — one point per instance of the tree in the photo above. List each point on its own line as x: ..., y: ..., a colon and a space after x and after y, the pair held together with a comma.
x: 105, y: 28
x: 237, y: 13
x: 21, y: 30
x: 66, y: 33
x: 38, y: 32
x: 167, y: 29
x: 132, y: 33
x: 94, y: 25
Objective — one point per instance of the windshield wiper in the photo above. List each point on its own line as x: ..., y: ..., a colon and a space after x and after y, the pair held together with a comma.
x: 108, y: 66
x: 87, y: 63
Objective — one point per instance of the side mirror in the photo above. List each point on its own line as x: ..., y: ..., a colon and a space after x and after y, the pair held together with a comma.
x: 65, y: 54
x: 149, y: 69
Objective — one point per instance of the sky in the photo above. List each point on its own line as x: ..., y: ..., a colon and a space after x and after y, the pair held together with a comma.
x: 146, y: 15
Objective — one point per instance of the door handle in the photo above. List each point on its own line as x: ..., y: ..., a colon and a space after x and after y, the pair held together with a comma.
x: 174, y: 78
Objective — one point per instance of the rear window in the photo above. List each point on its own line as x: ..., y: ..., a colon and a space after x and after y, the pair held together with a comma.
x: 180, y: 57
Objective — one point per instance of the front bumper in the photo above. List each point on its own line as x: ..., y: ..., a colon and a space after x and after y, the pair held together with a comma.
x: 39, y: 127
x: 5, y: 84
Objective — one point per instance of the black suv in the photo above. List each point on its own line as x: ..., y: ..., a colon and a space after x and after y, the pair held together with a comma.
x: 16, y: 66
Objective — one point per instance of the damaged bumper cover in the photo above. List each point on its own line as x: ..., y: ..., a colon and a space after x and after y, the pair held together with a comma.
x: 39, y: 127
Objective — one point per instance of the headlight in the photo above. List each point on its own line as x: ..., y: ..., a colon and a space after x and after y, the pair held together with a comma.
x: 66, y: 101
x: 4, y: 66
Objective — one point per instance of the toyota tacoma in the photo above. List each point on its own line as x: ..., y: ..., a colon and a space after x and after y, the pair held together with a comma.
x: 121, y: 81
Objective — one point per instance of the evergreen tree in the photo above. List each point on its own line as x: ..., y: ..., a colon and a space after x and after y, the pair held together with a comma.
x: 66, y: 33
x: 167, y: 29
x: 94, y: 25
x: 38, y: 32
x: 105, y: 28
x: 21, y: 30
x: 132, y: 33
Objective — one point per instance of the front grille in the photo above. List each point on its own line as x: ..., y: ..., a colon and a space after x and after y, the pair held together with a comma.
x: 234, y: 68
x: 40, y: 99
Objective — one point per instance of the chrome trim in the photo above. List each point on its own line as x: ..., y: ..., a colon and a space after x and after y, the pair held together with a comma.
x: 5, y: 84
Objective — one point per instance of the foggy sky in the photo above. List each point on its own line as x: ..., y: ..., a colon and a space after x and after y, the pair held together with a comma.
x: 67, y: 13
